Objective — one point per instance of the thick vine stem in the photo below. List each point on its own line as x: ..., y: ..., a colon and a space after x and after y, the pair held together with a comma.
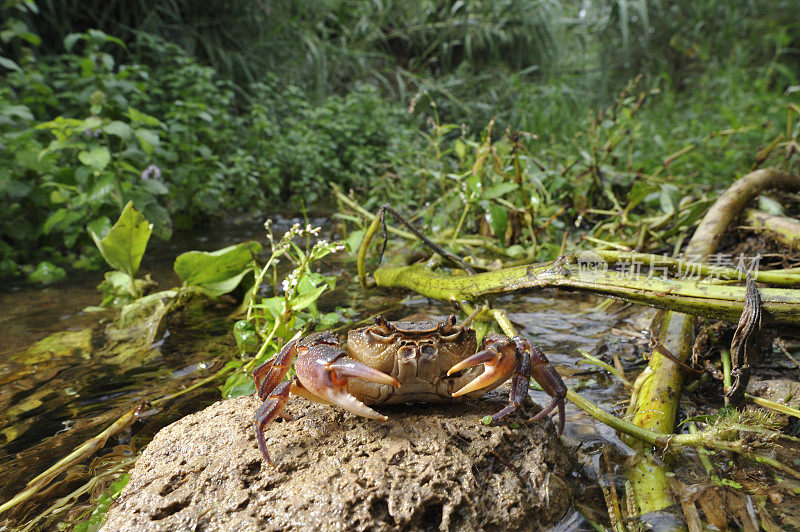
x: 781, y: 305
x: 784, y: 230
x: 655, y: 399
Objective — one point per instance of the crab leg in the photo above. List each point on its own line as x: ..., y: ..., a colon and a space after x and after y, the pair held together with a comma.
x: 499, y: 358
x: 324, y: 370
x: 269, y: 374
x: 269, y: 410
x: 551, y: 382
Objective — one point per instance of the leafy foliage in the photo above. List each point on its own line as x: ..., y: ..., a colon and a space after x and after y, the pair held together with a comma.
x: 272, y: 321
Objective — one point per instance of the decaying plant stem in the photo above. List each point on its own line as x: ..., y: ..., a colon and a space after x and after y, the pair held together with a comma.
x: 656, y: 398
x: 784, y: 230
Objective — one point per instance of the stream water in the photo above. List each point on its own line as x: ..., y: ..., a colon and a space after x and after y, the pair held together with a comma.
x: 52, y: 401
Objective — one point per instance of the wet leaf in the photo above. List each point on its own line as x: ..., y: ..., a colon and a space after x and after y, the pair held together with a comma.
x: 66, y: 344
x: 237, y: 385
x: 46, y: 273
x: 307, y: 299
x: 124, y: 245
x: 98, y: 515
x: 217, y: 272
x: 670, y: 198
x: 246, y: 336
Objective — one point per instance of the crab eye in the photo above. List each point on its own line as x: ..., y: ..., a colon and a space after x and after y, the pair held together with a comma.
x: 428, y: 350
x: 380, y: 335
x: 450, y: 335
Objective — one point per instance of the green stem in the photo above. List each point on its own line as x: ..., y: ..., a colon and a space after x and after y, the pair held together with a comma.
x: 781, y: 305
x: 725, y: 357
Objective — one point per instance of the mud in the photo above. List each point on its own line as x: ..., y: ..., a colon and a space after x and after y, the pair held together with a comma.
x: 428, y: 467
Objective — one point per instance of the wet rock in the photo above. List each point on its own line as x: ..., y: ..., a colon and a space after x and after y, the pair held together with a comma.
x: 783, y: 391
x: 428, y: 467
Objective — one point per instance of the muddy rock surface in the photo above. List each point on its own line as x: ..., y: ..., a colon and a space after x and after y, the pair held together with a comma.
x: 783, y: 391
x: 428, y: 467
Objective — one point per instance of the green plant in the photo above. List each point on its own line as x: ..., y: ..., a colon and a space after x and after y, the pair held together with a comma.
x: 271, y: 321
x: 210, y: 274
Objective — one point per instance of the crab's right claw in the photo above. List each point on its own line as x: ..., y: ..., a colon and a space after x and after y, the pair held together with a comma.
x: 323, y: 371
x: 499, y: 358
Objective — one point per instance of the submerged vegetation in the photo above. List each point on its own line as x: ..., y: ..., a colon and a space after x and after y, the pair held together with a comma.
x: 528, y: 141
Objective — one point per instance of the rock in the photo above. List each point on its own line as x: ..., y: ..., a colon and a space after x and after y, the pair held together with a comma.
x: 429, y: 466
x: 783, y: 391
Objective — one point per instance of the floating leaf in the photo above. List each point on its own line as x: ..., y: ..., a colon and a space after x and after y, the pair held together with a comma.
x: 124, y: 245
x: 46, y: 273
x: 217, y: 272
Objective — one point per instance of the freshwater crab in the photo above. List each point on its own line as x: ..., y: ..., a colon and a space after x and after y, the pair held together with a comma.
x: 399, y: 362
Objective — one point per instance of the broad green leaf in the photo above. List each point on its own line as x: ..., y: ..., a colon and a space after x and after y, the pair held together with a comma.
x: 101, y: 226
x: 124, y: 245
x: 54, y: 219
x: 307, y: 299
x: 218, y: 271
x: 7, y: 63
x: 354, y: 240
x: 157, y: 188
x: 120, y: 129
x: 499, y: 189
x: 237, y: 385
x: 103, y: 188
x: 638, y: 192
x: 98, y: 158
x: 20, y: 111
x: 46, y: 273
x: 498, y: 219
x: 71, y: 39
x: 148, y: 139
x: 141, y: 118
x: 216, y: 289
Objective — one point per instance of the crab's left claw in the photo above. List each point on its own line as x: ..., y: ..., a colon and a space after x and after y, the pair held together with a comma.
x: 502, y: 357
x: 499, y: 358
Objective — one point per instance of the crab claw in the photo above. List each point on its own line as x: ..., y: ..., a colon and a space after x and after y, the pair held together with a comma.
x: 499, y: 359
x: 323, y: 371
x: 346, y: 367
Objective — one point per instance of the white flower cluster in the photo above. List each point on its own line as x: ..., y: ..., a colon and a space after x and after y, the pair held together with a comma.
x: 290, y: 283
